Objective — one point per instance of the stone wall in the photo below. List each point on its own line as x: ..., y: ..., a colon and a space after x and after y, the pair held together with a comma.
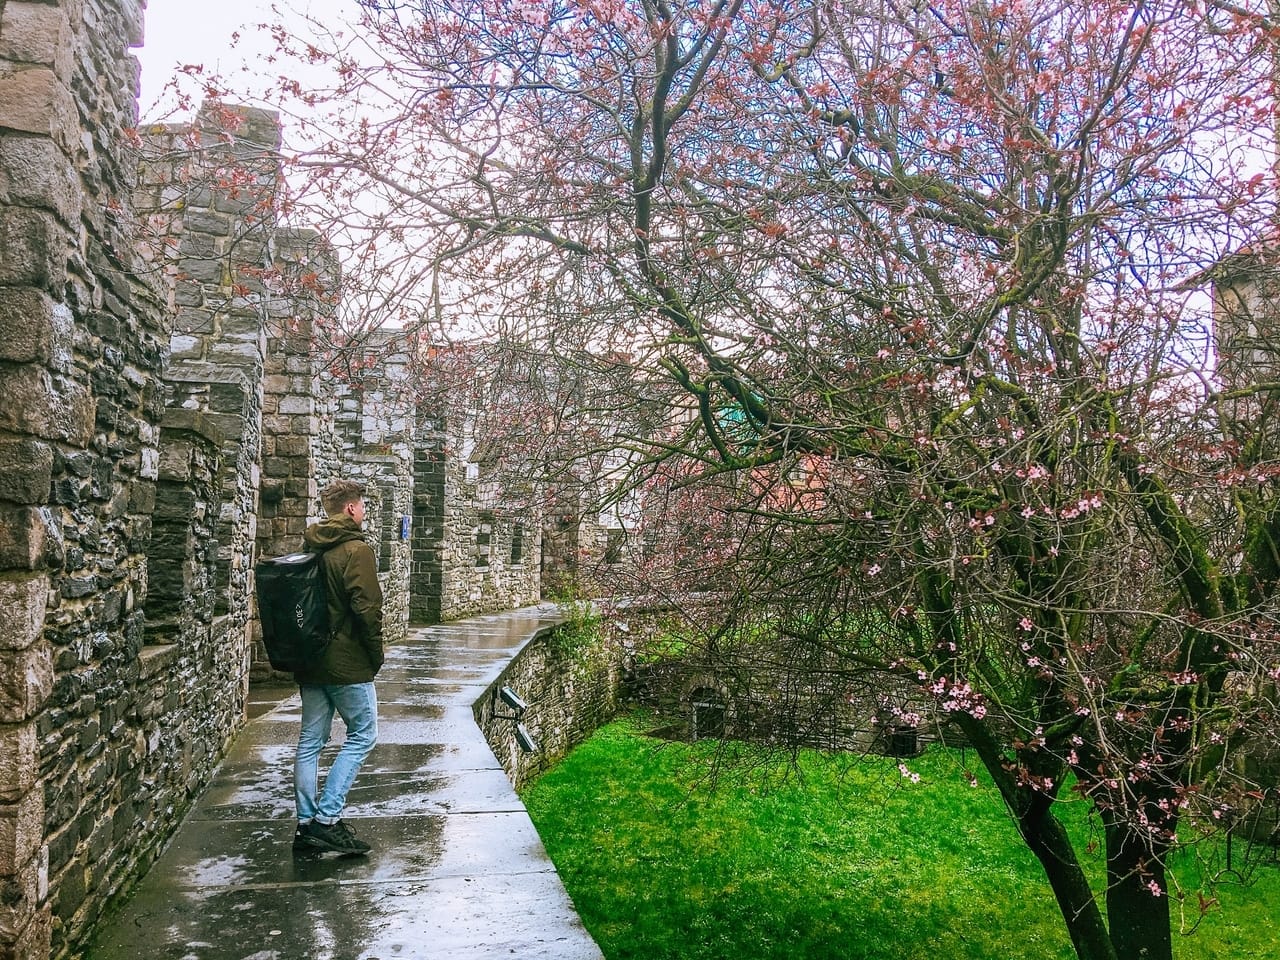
x: 695, y: 689
x: 388, y: 494
x: 589, y: 548
x: 82, y: 342
x: 207, y: 191
x: 570, y: 684
x: 368, y: 439
x: 472, y: 553
x: 1246, y: 290
x: 296, y: 430
x: 426, y: 567
x: 455, y: 551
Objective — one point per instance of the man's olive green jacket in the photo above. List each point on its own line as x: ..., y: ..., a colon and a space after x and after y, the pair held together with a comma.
x: 355, y: 604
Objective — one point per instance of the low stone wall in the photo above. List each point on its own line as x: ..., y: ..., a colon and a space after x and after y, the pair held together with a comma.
x: 570, y: 686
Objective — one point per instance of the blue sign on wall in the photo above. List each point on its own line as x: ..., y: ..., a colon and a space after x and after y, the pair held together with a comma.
x: 404, y: 528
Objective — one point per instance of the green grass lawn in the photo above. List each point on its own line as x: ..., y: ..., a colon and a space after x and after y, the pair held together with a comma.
x: 848, y: 859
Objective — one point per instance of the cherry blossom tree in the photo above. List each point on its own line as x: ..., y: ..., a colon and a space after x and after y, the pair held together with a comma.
x: 946, y: 262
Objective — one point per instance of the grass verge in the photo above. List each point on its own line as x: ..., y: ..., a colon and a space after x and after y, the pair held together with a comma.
x: 841, y: 857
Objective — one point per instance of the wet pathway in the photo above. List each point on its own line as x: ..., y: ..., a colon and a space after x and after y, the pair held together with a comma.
x: 457, y: 870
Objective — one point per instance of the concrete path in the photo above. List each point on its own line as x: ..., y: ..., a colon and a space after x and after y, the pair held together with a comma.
x: 457, y: 870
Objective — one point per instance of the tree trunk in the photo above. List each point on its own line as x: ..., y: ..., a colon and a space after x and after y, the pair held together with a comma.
x: 1045, y: 836
x: 1139, y: 917
x: 1048, y: 840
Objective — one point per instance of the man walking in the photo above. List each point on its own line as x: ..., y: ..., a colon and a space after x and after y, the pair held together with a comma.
x: 341, y: 679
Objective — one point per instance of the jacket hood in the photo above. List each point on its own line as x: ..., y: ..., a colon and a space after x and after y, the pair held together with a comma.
x: 330, y: 532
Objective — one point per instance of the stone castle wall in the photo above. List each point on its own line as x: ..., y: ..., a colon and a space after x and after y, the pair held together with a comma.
x: 165, y: 424
x: 488, y: 557
x: 368, y: 440
x: 83, y: 336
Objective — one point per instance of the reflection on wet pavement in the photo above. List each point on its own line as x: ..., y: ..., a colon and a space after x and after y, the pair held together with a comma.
x: 457, y: 869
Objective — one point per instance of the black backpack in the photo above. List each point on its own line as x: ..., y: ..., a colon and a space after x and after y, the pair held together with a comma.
x: 294, y: 608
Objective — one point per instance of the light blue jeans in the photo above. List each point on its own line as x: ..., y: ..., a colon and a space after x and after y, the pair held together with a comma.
x: 357, y: 704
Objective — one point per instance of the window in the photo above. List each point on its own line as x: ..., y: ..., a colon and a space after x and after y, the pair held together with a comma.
x: 484, y: 543
x: 517, y: 544
x: 615, y: 545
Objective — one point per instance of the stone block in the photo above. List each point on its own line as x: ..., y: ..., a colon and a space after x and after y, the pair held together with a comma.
x: 149, y: 463
x: 142, y: 498
x: 177, y: 421
x: 36, y: 101
x: 276, y: 467
x: 293, y: 446
x: 32, y: 245
x: 21, y: 910
x: 19, y: 760
x: 188, y: 293
x: 227, y: 398
x: 69, y: 895
x: 29, y: 539
x: 26, y: 325
x: 242, y: 318
x: 230, y: 426
x: 186, y: 347
x: 276, y: 383
x: 21, y: 830
x: 252, y: 125
x: 243, y: 355
x: 36, y: 33
x: 26, y: 680
x: 35, y: 173
x: 304, y: 406
x: 200, y: 246
x: 216, y: 224
x: 22, y: 610
x: 191, y: 320
x: 175, y: 459
x: 26, y: 471
x: 207, y: 271
x: 38, y: 405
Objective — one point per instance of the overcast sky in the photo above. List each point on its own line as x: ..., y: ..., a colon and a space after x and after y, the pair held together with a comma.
x: 183, y: 31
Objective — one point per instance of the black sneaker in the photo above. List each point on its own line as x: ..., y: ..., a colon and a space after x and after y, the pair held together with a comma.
x: 338, y: 837
x: 303, y: 839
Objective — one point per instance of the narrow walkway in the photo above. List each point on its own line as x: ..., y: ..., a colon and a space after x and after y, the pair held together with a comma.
x: 457, y: 870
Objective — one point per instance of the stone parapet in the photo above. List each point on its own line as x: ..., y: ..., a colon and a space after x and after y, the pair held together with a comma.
x: 571, y: 686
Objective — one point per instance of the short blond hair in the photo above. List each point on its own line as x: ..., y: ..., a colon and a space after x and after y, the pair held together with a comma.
x: 335, y: 497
